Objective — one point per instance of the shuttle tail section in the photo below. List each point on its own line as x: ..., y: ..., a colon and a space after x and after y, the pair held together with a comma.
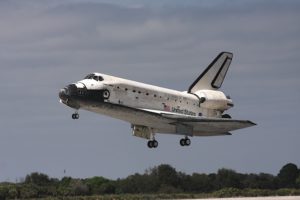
x: 213, y: 76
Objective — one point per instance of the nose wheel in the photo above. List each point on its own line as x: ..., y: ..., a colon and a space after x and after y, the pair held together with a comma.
x: 75, y: 115
x: 185, y: 141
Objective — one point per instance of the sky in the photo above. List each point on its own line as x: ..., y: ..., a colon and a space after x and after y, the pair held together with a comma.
x: 45, y: 45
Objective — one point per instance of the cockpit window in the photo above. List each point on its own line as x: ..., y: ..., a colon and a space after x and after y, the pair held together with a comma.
x: 95, y: 77
x: 98, y: 78
x: 89, y: 76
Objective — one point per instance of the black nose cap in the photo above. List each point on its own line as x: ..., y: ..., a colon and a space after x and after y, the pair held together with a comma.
x: 63, y: 94
x: 67, y: 92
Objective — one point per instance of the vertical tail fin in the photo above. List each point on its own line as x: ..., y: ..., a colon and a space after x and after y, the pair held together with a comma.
x: 213, y: 76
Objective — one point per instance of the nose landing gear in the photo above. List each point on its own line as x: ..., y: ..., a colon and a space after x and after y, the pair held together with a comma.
x: 75, y: 115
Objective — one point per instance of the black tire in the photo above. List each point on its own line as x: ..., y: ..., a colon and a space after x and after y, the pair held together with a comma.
x: 182, y: 142
x: 155, y: 143
x: 75, y: 116
x: 187, y: 142
x: 150, y: 144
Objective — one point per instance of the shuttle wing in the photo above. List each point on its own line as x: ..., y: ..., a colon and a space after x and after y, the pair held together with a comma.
x: 214, y: 126
x: 199, y: 126
x: 173, y: 123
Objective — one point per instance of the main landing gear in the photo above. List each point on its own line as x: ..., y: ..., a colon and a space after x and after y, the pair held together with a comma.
x: 185, y: 141
x: 152, y: 143
x: 75, y: 115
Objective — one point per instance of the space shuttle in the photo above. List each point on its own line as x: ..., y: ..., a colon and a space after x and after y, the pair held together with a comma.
x: 199, y: 111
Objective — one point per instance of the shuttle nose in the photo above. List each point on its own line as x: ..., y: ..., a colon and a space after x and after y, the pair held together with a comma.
x: 65, y: 93
x: 68, y: 96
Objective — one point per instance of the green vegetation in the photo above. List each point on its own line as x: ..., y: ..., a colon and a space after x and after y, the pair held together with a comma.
x: 161, y: 182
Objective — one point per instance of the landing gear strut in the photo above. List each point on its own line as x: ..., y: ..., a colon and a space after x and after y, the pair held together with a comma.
x: 185, y: 141
x: 75, y: 115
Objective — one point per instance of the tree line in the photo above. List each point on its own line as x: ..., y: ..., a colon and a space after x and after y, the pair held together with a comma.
x: 162, y: 179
